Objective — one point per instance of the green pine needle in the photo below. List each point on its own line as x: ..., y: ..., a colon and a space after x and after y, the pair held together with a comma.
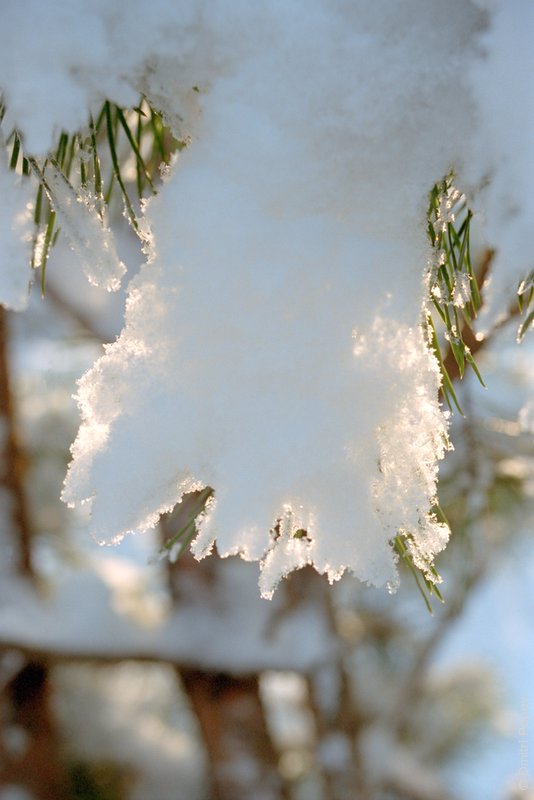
x: 93, y: 159
x: 185, y: 535
x: 426, y: 587
x: 110, y: 126
x: 453, y: 289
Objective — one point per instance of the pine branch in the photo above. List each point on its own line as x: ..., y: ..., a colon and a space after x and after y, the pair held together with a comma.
x: 93, y: 158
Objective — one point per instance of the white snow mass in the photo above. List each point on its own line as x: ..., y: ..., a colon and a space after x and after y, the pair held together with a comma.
x: 272, y: 346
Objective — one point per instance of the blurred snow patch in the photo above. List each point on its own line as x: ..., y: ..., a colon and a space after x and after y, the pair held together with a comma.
x: 16, y: 229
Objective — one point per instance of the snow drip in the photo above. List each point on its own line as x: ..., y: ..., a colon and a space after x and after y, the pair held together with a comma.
x: 272, y: 347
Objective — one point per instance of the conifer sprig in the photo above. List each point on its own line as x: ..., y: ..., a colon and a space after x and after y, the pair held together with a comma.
x: 453, y: 290
x: 123, y: 147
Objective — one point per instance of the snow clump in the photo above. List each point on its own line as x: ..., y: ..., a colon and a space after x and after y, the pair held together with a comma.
x: 272, y: 346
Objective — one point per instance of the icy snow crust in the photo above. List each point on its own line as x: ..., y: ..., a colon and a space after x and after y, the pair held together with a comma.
x: 272, y: 345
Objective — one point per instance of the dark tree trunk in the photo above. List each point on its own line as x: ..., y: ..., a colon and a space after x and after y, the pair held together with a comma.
x: 243, y: 762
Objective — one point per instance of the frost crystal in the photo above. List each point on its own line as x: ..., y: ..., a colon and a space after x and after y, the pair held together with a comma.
x: 462, y: 290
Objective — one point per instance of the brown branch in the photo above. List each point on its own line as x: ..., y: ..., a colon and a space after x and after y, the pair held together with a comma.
x: 25, y: 698
x: 234, y: 729
x: 12, y: 459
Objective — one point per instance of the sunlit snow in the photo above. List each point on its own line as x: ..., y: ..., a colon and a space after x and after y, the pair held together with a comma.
x: 272, y: 346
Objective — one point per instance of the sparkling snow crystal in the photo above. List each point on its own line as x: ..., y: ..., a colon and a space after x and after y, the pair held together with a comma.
x: 272, y: 346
